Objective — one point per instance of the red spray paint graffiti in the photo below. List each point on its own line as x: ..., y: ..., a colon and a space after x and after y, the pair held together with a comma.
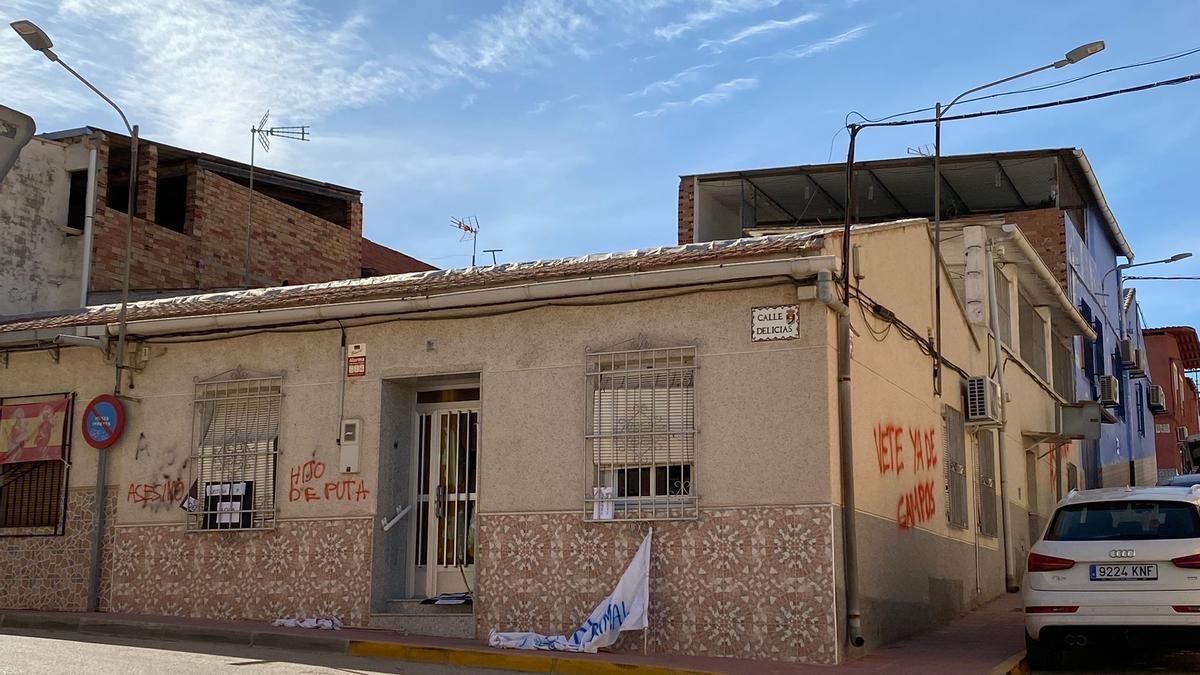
x: 144, y: 493
x: 909, y: 451
x: 305, y: 485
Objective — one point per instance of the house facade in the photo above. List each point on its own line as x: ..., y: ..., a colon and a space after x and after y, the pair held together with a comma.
x: 64, y: 210
x: 1174, y: 352
x: 349, y: 448
x: 1052, y: 195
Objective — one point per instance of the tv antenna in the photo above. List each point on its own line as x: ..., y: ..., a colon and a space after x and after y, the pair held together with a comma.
x: 470, y: 228
x: 493, y: 251
x: 262, y: 134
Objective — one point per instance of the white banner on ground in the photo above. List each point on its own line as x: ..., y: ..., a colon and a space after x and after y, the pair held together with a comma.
x: 625, y: 609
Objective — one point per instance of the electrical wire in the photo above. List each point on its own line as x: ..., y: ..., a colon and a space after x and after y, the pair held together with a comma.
x: 1027, y: 90
x: 1040, y: 106
x: 903, y: 329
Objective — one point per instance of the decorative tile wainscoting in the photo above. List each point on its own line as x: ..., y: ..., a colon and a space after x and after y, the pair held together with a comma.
x: 753, y: 582
x: 301, y: 568
x: 51, y: 572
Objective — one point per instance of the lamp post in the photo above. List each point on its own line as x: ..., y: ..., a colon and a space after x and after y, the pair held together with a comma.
x: 37, y: 40
x: 1074, y: 56
x: 1175, y: 258
x: 1121, y: 327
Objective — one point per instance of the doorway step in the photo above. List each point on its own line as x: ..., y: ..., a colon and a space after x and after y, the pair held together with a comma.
x: 414, y: 618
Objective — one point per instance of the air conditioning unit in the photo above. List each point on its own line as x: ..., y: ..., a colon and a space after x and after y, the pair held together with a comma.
x: 1181, y: 434
x: 1138, y: 369
x: 1128, y: 353
x: 1157, y: 399
x: 1110, y: 391
x: 983, y: 401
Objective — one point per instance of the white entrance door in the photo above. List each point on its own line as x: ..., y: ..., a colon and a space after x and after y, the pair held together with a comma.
x: 447, y: 474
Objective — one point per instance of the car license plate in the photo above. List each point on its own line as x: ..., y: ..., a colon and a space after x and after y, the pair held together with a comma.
x: 1123, y: 572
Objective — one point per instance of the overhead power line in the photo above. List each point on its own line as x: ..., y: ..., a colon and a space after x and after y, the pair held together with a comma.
x: 1037, y: 106
x: 1041, y: 87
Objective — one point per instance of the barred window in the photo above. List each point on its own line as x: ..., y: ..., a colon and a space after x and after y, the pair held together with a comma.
x: 641, y: 434
x: 35, y: 455
x: 987, y: 483
x: 235, y: 445
x: 956, y: 467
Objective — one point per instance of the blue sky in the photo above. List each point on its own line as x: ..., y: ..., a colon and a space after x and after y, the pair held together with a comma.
x: 564, y: 125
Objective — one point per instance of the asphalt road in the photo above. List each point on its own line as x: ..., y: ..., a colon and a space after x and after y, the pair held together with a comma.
x: 1147, y: 661
x: 50, y: 653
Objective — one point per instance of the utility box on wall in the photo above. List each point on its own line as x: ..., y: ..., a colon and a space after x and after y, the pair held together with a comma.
x: 348, y: 463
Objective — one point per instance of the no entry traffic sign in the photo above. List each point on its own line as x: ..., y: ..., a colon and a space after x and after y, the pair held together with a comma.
x: 103, y: 421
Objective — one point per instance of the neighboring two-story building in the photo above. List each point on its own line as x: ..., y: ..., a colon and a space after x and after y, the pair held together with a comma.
x: 64, y: 213
x: 1174, y: 353
x: 1052, y: 195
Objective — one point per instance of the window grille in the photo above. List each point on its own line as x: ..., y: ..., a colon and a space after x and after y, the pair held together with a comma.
x: 1003, y: 307
x: 987, y: 483
x: 235, y: 445
x: 956, y: 467
x: 1033, y: 336
x: 33, y: 495
x: 641, y: 434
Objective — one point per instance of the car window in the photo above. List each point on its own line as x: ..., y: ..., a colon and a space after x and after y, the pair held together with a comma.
x: 1186, y: 480
x: 1125, y: 520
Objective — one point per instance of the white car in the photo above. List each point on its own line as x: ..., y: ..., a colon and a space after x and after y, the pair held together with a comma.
x: 1115, y: 565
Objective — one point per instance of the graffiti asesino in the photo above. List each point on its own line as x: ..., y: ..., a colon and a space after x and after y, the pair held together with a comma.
x: 908, y: 455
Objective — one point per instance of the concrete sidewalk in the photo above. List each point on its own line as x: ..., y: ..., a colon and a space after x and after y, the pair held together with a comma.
x: 990, y: 639
x: 984, y: 641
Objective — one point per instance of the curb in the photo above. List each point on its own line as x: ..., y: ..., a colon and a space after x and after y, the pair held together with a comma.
x: 526, y: 662
x: 1013, y: 665
x: 520, y: 661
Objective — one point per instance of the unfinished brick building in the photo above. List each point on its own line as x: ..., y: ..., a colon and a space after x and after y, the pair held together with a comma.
x: 190, y: 225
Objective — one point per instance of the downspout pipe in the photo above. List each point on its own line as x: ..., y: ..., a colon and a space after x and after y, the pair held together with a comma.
x: 89, y: 217
x: 827, y: 294
x: 1010, y: 583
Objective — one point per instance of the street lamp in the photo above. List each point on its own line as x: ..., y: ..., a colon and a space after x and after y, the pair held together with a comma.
x: 1124, y: 266
x: 1121, y: 326
x: 1074, y: 56
x: 38, y: 41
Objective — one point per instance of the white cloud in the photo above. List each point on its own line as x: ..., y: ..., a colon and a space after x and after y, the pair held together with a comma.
x: 518, y: 33
x: 769, y: 26
x: 715, y: 9
x: 718, y: 94
x: 671, y: 83
x: 469, y: 100
x: 802, y: 51
x: 198, y: 74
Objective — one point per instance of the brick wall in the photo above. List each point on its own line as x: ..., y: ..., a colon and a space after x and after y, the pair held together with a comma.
x: 687, y: 209
x: 287, y: 245
x: 1045, y: 230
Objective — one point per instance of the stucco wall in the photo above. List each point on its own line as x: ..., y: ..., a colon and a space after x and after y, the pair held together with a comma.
x: 40, y: 266
x: 763, y: 478
x: 916, y: 569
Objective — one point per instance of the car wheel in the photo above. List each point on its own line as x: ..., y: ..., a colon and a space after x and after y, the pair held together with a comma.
x: 1042, y: 656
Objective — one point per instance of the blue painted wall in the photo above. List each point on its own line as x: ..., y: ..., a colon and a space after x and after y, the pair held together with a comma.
x: 1097, y: 292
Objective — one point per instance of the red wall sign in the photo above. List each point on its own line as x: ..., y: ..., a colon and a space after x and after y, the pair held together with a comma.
x: 103, y: 421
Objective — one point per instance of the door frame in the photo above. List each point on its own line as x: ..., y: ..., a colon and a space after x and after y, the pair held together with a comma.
x: 433, y: 409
